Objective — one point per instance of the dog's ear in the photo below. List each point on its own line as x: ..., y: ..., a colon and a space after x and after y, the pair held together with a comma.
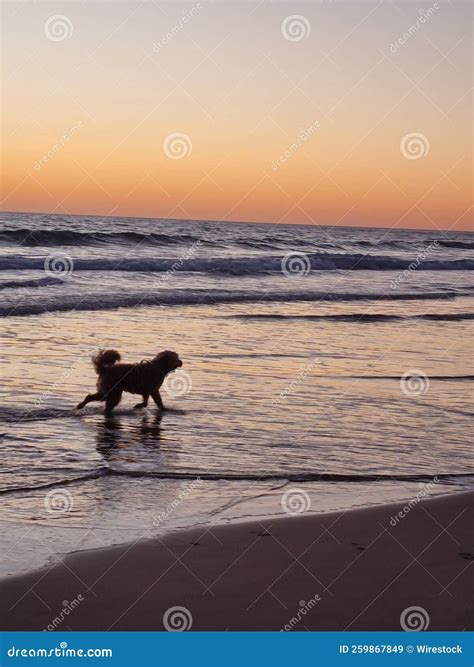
x: 161, y: 358
x: 169, y: 359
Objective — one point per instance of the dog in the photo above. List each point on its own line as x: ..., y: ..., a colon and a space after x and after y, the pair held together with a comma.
x: 144, y: 378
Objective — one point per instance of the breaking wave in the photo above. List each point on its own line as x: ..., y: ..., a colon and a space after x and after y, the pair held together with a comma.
x: 243, y: 265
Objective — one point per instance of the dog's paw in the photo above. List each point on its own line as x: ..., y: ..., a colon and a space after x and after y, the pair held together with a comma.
x: 139, y: 405
x: 79, y: 406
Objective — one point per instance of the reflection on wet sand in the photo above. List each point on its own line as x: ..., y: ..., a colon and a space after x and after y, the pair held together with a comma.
x: 113, y: 435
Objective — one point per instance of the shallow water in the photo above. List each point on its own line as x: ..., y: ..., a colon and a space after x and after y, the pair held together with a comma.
x: 295, y: 385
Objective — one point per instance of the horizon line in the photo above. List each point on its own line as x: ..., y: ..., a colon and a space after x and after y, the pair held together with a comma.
x: 244, y: 222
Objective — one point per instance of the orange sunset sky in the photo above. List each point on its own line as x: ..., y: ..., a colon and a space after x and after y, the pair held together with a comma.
x: 350, y: 113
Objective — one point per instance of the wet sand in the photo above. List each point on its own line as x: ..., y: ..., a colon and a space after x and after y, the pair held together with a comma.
x: 355, y: 570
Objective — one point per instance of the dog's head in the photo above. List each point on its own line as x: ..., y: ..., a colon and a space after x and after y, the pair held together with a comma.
x: 168, y: 361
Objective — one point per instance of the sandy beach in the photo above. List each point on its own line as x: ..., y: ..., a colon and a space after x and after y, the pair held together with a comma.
x: 356, y: 570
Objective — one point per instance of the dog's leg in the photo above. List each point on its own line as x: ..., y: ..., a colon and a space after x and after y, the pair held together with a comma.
x: 157, y: 398
x: 145, y: 401
x: 111, y: 401
x: 90, y: 397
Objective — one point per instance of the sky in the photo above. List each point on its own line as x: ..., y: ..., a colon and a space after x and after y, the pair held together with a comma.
x: 324, y: 112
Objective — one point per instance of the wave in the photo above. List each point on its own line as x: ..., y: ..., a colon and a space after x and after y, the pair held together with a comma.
x: 360, y: 317
x: 239, y: 266
x: 12, y: 415
x: 446, y: 378
x: 415, y: 244
x: 66, y: 237
x: 452, y: 243
x: 99, y: 301
x: 38, y: 282
x: 243, y: 477
x: 32, y: 237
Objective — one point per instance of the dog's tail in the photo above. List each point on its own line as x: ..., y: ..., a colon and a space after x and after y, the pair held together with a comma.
x: 104, y: 358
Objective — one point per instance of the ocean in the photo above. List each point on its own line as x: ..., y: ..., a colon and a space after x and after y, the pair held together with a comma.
x: 324, y: 369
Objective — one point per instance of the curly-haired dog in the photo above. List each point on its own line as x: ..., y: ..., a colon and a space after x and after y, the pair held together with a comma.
x: 144, y: 378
